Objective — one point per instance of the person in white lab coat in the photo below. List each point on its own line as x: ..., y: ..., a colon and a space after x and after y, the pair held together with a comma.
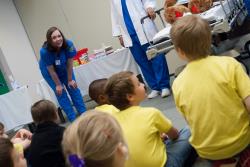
x: 125, y: 18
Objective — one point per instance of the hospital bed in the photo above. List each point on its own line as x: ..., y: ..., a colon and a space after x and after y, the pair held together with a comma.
x: 223, y: 17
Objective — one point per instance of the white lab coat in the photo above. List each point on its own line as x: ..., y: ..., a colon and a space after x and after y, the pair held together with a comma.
x: 137, y: 10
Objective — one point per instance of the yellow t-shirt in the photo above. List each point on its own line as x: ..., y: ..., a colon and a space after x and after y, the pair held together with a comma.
x: 210, y: 93
x: 142, y: 128
x: 107, y: 108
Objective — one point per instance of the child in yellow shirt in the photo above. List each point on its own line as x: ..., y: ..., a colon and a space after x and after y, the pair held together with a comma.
x: 212, y: 92
x: 96, y: 93
x: 144, y: 126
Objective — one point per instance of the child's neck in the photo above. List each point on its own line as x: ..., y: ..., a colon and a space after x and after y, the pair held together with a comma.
x: 134, y: 104
x: 193, y: 60
x: 118, y: 164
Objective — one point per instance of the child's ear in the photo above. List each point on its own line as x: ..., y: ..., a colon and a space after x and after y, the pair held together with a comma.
x: 181, y: 54
x: 122, y: 150
x: 130, y: 97
x: 102, y: 99
x: 179, y: 51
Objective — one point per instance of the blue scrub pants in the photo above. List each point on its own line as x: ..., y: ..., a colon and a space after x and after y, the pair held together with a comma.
x: 155, y: 71
x: 64, y: 100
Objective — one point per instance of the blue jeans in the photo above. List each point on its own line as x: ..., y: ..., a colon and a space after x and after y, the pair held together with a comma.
x: 178, y: 150
x: 202, y: 163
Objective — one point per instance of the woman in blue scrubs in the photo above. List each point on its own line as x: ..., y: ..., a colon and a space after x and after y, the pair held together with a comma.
x: 56, y: 65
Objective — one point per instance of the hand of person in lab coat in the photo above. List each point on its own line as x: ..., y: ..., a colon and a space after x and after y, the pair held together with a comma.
x: 121, y: 41
x: 151, y: 13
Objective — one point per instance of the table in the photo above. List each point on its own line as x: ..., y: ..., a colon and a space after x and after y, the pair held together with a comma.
x: 121, y: 60
x: 15, y: 108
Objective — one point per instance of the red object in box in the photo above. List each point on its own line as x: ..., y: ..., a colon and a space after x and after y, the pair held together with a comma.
x: 79, y: 53
x: 195, y: 10
x: 178, y: 14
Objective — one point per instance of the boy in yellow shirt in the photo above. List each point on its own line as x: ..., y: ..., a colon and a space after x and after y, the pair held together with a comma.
x: 212, y: 93
x: 143, y: 127
x: 97, y: 93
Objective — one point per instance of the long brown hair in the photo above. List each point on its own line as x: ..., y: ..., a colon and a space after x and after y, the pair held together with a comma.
x: 48, y: 43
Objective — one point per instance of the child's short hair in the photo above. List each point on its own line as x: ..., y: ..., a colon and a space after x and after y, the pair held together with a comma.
x: 1, y: 126
x: 94, y: 137
x: 43, y: 111
x: 6, y: 148
x: 118, y: 87
x: 97, y: 88
x: 192, y: 35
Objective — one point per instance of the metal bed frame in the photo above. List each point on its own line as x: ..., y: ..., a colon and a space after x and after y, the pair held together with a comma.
x: 234, y: 12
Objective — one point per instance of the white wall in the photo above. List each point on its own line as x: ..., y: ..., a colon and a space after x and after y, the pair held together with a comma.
x: 16, y: 48
x: 37, y: 16
x: 86, y: 22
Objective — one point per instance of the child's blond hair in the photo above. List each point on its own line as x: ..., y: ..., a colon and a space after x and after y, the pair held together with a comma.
x: 94, y: 137
x: 192, y: 35
x: 69, y: 143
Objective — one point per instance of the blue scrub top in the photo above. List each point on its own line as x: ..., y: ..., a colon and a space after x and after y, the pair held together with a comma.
x: 58, y: 60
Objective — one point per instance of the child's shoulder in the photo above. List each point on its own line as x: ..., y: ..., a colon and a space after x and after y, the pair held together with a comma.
x: 228, y: 58
x: 151, y: 113
x: 149, y: 110
x: 107, y: 108
x: 138, y: 110
x: 221, y: 59
x: 225, y: 62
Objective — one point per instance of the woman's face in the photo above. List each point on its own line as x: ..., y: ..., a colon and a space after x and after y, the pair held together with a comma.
x: 57, y: 39
x: 18, y: 159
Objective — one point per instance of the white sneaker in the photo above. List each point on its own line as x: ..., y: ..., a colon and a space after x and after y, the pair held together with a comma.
x: 165, y: 92
x: 153, y: 94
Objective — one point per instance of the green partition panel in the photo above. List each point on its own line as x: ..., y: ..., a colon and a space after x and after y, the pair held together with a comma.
x: 3, y: 85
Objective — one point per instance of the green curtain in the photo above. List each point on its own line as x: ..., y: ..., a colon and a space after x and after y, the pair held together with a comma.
x: 3, y: 85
